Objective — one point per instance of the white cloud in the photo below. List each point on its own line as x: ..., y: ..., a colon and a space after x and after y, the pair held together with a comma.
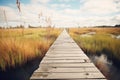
x: 11, y: 14
x: 60, y: 6
x: 99, y: 7
x: 69, y: 11
x: 92, y: 12
x: 116, y: 19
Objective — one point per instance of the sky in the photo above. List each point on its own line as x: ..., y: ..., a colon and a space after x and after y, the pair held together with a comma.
x: 61, y: 13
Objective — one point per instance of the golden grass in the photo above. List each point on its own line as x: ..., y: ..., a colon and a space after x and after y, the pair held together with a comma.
x: 17, y: 49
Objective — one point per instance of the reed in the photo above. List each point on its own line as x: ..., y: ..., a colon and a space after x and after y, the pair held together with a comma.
x: 16, y: 49
x: 99, y: 43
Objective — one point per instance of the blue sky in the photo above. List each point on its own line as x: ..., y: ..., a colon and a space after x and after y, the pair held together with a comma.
x: 62, y: 13
x: 72, y: 3
x: 7, y: 2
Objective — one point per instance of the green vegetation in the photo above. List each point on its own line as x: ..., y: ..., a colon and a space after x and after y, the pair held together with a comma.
x: 17, y: 46
x: 101, y: 42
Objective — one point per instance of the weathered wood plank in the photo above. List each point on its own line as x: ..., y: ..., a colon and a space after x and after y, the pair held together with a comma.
x: 69, y: 65
x: 63, y: 61
x: 67, y: 58
x: 68, y: 75
x: 67, y: 70
x: 57, y: 55
x: 65, y: 51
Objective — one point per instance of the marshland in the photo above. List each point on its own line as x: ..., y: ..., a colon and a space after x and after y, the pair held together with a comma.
x: 102, y: 45
x: 24, y: 48
x: 28, y: 28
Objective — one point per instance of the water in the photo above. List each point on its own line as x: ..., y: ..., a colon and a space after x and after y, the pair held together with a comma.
x: 23, y: 72
x: 118, y: 37
x: 93, y: 33
x: 114, y: 36
x: 88, y: 34
x: 106, y: 67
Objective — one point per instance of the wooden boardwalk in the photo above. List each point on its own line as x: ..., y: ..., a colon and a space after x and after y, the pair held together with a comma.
x: 66, y: 61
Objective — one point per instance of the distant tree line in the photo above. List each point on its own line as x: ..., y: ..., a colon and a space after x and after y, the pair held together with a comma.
x: 29, y: 26
x: 118, y: 25
x: 11, y: 27
x: 105, y: 26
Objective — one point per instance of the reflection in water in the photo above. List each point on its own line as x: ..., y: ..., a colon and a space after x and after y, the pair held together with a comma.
x: 106, y: 67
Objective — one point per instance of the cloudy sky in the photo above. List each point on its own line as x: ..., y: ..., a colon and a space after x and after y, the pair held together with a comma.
x: 62, y: 13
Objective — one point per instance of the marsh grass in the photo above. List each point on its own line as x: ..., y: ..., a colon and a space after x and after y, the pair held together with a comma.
x: 16, y: 49
x: 115, y: 31
x: 99, y: 43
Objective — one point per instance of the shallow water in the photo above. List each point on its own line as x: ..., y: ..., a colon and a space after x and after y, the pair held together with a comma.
x: 118, y: 37
x: 106, y: 67
x: 23, y: 72
x: 88, y: 34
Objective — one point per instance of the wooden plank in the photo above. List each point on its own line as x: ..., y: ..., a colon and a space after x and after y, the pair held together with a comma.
x: 69, y: 65
x: 65, y: 52
x: 67, y: 70
x: 63, y: 61
x: 37, y: 78
x: 57, y: 55
x: 66, y: 45
x: 71, y: 49
x: 66, y: 57
x: 68, y: 75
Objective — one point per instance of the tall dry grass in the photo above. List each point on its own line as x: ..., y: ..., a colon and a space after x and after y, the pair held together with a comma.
x: 16, y: 49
